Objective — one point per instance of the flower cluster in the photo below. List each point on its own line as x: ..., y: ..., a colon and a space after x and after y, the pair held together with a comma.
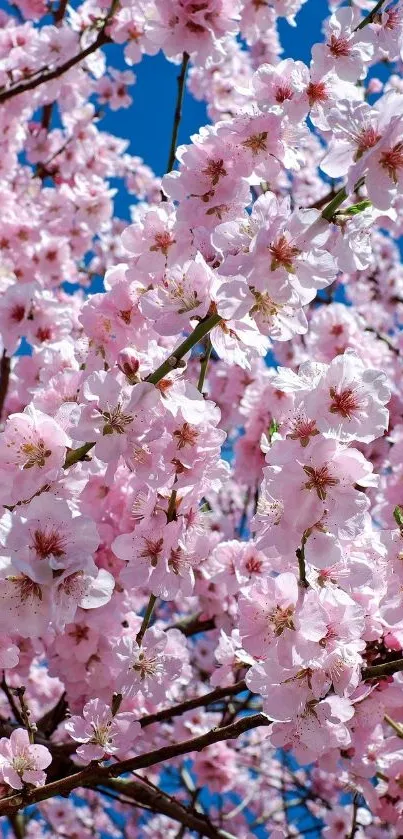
x: 201, y: 525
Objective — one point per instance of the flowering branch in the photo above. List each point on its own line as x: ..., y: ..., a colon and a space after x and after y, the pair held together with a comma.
x: 397, y: 727
x: 95, y: 775
x: 354, y: 825
x: 48, y: 75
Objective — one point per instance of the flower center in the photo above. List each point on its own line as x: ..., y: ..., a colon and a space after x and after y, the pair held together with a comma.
x: 317, y: 92
x: 186, y: 435
x: 146, y: 666
x: 177, y: 560
x: 48, y: 543
x: 283, y: 254
x: 282, y: 618
x: 339, y: 46
x: 303, y: 430
x: 344, y: 403
x: 163, y: 242
x: 256, y: 143
x: 152, y: 550
x: 284, y: 92
x: 319, y: 480
x: 22, y: 762
x: 27, y: 588
x: 215, y: 170
x: 116, y: 421
x: 17, y: 313
x: 34, y: 454
x: 392, y: 160
x: 367, y: 138
x: 253, y: 565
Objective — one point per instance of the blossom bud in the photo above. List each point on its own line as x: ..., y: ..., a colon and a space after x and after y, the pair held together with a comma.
x: 374, y: 86
x: 129, y: 364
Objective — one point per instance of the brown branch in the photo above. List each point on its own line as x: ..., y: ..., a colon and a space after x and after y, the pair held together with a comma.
x: 11, y: 701
x: 379, y: 671
x: 370, y: 17
x: 4, y: 380
x: 58, y: 15
x: 17, y: 824
x: 193, y: 625
x: 196, y: 702
x: 178, y: 111
x: 96, y: 775
x: 48, y: 723
x: 44, y: 75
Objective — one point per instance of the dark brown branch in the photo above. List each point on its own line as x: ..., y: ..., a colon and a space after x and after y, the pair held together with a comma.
x: 196, y: 702
x: 11, y: 701
x: 194, y: 625
x: 370, y: 17
x: 48, y: 75
x: 58, y: 15
x: 17, y: 824
x: 96, y: 775
x: 379, y: 671
x: 49, y: 722
x: 4, y: 380
x: 178, y: 111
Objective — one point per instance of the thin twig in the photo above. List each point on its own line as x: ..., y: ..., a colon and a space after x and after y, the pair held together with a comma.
x: 178, y: 111
x: 204, y: 364
x: 173, y: 361
x: 369, y: 18
x: 354, y: 826
x: 197, y: 702
x: 4, y: 380
x: 146, y: 619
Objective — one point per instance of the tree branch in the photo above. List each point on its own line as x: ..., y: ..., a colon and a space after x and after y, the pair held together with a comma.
x: 49, y: 75
x: 378, y: 671
x: 178, y: 111
x: 196, y: 702
x: 96, y: 775
x: 4, y: 380
x: 369, y: 18
x: 194, y: 625
x: 201, y: 330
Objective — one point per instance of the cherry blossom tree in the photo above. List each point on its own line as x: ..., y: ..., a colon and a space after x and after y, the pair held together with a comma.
x: 201, y: 576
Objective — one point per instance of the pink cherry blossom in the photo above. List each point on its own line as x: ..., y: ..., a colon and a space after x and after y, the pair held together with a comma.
x: 22, y: 762
x: 101, y: 733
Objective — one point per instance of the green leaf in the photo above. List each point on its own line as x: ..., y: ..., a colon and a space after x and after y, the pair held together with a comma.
x: 354, y: 209
x: 398, y: 517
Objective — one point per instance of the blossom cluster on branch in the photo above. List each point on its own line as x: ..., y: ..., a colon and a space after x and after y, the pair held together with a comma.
x: 201, y: 529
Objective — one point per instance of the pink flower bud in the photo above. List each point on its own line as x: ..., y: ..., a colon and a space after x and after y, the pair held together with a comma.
x: 374, y: 86
x: 129, y: 364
